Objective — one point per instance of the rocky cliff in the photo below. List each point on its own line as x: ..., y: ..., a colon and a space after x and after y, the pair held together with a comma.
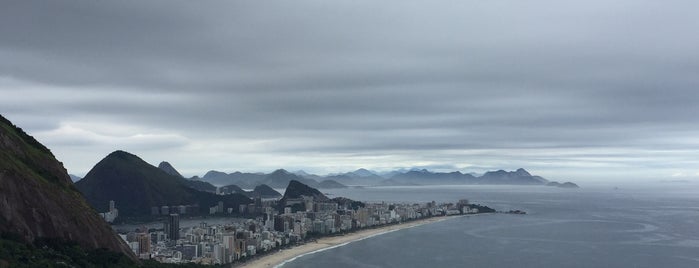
x: 38, y: 199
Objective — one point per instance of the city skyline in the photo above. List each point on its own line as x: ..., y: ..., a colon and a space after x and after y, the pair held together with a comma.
x: 588, y: 91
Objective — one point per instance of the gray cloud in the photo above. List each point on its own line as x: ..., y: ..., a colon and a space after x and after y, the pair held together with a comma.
x: 574, y: 89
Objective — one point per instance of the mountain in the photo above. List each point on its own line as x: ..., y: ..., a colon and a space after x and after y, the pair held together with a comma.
x: 199, y: 185
x: 296, y: 189
x: 358, y: 177
x: 74, y: 178
x: 193, y: 182
x: 302, y: 173
x: 554, y: 184
x: 261, y: 190
x: 39, y: 201
x: 563, y: 185
x: 264, y: 191
x: 281, y: 178
x: 518, y: 177
x: 216, y: 178
x: 363, y: 173
x: 231, y: 189
x: 424, y: 176
x: 137, y: 186
x: 569, y: 185
x: 169, y: 169
x: 415, y: 176
x: 330, y: 184
x: 392, y: 182
x: 247, y: 180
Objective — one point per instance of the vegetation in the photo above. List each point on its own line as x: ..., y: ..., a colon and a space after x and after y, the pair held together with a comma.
x: 60, y: 253
x: 56, y: 253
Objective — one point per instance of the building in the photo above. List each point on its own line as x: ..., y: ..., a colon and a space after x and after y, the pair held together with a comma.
x: 173, y: 227
x: 144, y: 243
x: 113, y: 212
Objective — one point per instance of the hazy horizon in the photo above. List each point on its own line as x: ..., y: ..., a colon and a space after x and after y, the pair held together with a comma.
x: 587, y: 91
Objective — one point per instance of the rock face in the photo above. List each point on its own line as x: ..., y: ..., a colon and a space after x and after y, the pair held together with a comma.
x: 38, y: 199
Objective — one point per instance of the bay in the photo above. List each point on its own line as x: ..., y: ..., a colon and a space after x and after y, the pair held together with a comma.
x: 654, y: 226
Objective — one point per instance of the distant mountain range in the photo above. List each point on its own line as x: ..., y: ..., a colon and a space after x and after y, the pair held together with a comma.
x: 278, y: 179
x: 262, y: 191
x: 137, y: 186
x: 364, y: 177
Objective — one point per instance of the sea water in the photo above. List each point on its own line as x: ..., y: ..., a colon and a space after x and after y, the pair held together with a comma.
x: 598, y: 227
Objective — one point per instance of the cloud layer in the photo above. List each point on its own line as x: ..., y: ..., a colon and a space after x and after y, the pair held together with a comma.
x: 572, y: 89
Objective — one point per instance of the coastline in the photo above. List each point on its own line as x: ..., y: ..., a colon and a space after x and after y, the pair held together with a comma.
x: 279, y: 258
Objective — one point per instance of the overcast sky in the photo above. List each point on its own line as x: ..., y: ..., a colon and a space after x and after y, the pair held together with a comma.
x: 580, y: 90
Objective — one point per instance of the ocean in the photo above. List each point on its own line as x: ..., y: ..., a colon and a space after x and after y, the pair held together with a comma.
x: 590, y: 227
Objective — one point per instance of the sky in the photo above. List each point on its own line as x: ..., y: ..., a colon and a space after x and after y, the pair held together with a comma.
x: 570, y: 90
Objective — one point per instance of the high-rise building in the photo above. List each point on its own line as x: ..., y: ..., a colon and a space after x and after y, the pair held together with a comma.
x: 110, y: 215
x: 144, y: 243
x: 173, y: 224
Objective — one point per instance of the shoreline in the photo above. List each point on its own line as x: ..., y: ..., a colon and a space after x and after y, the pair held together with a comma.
x: 277, y: 259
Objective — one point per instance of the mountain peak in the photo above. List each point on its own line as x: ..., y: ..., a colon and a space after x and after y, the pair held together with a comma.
x: 169, y: 169
x: 121, y: 154
x: 137, y: 186
x: 296, y: 189
x: 280, y: 171
x: 364, y: 172
x: 522, y: 172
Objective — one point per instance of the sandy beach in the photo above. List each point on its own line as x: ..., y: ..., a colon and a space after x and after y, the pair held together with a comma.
x: 280, y: 257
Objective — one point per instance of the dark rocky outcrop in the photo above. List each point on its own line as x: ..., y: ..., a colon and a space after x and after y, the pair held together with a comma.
x: 296, y: 189
x: 137, y: 186
x: 264, y: 191
x: 38, y: 199
x: 199, y: 185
